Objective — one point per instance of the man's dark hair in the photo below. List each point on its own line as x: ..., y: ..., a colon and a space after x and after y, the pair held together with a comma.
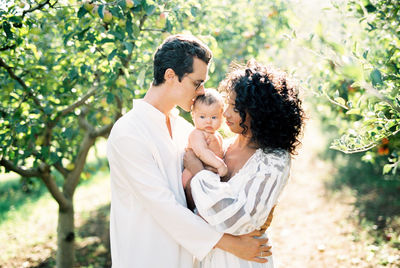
x: 177, y: 52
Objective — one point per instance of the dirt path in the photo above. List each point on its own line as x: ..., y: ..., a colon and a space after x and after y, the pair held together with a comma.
x: 311, y: 227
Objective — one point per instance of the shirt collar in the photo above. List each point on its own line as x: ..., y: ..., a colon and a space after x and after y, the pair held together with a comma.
x: 153, y: 112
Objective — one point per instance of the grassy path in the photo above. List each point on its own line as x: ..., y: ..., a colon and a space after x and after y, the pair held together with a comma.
x: 313, y: 227
x: 30, y: 232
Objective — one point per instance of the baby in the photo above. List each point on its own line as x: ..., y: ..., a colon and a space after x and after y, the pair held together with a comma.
x: 204, y: 140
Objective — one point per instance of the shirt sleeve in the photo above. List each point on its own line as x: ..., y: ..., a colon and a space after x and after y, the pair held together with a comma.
x: 241, y: 205
x: 134, y: 162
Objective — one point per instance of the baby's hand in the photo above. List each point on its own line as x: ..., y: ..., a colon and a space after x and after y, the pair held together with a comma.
x: 222, y: 170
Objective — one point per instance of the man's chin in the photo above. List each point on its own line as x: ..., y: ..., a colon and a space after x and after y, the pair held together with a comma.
x: 185, y: 108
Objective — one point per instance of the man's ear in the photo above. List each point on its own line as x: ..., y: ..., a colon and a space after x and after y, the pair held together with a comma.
x: 169, y: 75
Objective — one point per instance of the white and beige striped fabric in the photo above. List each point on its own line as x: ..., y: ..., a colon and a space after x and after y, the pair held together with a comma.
x: 242, y: 204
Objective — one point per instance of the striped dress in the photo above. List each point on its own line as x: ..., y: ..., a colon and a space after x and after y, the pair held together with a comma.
x: 242, y: 204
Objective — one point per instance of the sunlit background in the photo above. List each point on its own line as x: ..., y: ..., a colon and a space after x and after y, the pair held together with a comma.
x: 69, y: 69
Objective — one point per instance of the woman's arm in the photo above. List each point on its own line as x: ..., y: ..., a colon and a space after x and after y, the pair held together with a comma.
x: 240, y: 212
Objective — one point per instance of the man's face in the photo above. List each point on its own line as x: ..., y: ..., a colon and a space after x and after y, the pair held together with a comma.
x: 208, y: 117
x: 192, y: 85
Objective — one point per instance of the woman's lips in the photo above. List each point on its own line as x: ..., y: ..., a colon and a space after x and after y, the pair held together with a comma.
x: 229, y: 123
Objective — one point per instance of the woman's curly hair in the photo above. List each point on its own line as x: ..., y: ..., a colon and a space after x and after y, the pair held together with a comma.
x: 265, y: 94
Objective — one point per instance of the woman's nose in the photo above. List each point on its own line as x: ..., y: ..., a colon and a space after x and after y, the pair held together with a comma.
x: 226, y: 114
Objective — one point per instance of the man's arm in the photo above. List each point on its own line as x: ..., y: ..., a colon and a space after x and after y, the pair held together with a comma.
x: 246, y: 247
x: 132, y: 160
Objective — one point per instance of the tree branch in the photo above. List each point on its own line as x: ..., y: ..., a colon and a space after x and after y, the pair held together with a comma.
x: 22, y: 83
x: 77, y: 103
x: 51, y: 185
x: 8, y: 47
x: 61, y: 169
x: 39, y: 6
x: 27, y: 173
x: 83, y: 123
x: 42, y: 172
x: 103, y: 131
x: 335, y: 102
x: 73, y: 177
x: 376, y: 93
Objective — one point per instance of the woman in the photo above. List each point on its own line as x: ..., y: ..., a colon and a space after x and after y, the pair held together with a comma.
x: 265, y: 113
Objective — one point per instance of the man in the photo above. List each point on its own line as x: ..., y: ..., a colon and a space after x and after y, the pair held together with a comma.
x: 150, y: 225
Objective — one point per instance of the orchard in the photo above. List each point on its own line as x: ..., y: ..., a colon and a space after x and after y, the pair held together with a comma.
x: 69, y: 69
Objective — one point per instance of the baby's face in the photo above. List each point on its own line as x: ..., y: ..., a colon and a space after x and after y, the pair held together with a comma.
x: 207, y: 117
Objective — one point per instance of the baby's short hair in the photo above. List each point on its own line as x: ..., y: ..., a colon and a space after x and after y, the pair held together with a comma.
x: 210, y: 97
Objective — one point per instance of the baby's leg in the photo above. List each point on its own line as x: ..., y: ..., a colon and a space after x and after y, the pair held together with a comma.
x: 186, y: 176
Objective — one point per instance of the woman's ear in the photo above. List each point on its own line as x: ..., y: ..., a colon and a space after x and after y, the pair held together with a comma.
x: 169, y: 75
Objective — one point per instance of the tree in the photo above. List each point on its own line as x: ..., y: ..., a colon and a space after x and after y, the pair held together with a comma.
x: 68, y: 71
x: 64, y: 73
x: 359, y: 76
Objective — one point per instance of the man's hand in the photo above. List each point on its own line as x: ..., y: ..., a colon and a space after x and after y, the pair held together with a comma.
x: 267, y: 223
x: 192, y: 162
x: 246, y: 247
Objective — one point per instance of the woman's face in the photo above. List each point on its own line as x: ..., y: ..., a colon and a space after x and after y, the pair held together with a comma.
x: 232, y: 116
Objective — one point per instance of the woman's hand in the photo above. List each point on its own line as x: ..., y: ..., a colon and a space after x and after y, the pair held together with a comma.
x: 192, y: 162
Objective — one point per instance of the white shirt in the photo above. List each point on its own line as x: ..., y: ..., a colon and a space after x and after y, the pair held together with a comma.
x: 150, y: 225
x: 242, y: 204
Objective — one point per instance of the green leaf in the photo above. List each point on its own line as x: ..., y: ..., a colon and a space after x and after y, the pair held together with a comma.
x: 82, y: 11
x: 354, y: 111
x: 112, y: 55
x: 150, y: 9
x: 7, y: 29
x: 340, y: 101
x: 118, y: 35
x: 319, y: 29
x: 15, y: 19
x: 67, y: 37
x: 168, y: 26
x: 100, y: 11
x: 193, y: 10
x: 110, y: 98
x: 387, y: 168
x: 128, y: 46
x: 141, y: 76
x: 48, y: 110
x: 136, y: 30
x: 365, y: 54
x: 106, y: 40
x: 129, y: 26
x: 336, y: 95
x: 376, y: 77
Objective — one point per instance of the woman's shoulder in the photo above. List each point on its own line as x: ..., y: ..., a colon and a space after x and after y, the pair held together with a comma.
x: 274, y: 156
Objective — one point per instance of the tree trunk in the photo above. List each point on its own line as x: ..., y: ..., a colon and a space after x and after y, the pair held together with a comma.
x: 66, y: 237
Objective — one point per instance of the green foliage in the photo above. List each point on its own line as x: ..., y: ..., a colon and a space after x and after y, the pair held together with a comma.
x: 360, y: 77
x: 60, y: 55
x: 69, y: 70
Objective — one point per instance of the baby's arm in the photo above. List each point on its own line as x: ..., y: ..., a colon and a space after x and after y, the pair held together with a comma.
x: 198, y: 143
